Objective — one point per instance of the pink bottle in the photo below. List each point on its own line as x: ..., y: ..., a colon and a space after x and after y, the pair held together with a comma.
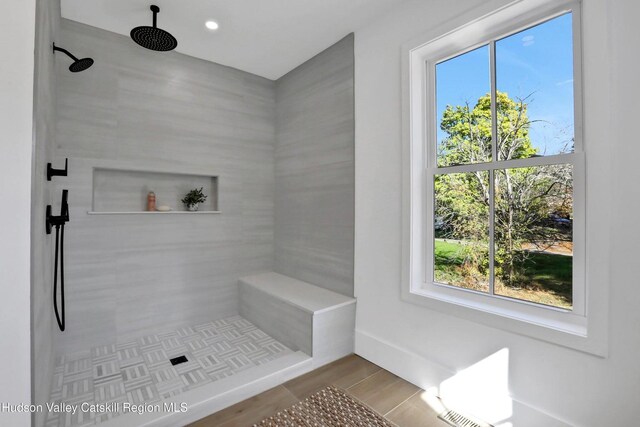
x: 151, y: 201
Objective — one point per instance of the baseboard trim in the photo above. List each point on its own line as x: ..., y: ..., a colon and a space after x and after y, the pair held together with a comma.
x: 426, y: 374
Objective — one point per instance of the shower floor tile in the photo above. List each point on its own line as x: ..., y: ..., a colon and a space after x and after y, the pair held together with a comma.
x: 140, y: 371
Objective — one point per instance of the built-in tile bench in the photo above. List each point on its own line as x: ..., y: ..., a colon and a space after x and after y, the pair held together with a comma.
x: 304, y: 317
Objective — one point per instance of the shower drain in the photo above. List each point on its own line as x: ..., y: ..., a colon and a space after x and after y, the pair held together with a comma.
x: 456, y: 419
x: 178, y: 360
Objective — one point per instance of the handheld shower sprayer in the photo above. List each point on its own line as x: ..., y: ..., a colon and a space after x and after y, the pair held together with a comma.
x: 58, y: 222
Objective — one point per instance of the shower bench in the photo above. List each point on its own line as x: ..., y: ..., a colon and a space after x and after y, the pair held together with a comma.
x: 318, y: 324
x: 302, y: 316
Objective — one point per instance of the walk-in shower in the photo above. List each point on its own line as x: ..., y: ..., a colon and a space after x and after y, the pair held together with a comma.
x: 171, y: 306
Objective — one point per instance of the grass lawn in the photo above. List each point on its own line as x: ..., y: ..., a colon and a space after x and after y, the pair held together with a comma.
x: 545, y: 278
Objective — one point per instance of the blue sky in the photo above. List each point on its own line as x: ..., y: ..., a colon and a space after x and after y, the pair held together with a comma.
x: 537, y: 61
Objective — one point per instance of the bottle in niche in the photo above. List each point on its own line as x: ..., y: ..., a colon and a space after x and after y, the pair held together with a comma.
x: 151, y: 201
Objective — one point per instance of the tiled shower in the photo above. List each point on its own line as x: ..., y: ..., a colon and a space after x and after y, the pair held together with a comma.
x: 142, y: 289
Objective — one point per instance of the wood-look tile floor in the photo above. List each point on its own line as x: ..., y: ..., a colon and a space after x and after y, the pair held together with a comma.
x: 398, y: 400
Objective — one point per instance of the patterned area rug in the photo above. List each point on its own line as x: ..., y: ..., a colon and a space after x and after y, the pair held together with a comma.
x: 329, y: 407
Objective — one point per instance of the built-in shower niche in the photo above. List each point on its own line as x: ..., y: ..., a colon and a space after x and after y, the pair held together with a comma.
x: 124, y: 191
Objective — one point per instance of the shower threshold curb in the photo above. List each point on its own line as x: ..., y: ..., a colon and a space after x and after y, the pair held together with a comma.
x: 220, y: 394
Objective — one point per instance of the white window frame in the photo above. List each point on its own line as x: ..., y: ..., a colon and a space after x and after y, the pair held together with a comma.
x: 566, y: 327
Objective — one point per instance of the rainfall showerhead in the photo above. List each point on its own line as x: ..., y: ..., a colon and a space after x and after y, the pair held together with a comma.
x: 81, y: 65
x: 78, y: 64
x: 154, y: 38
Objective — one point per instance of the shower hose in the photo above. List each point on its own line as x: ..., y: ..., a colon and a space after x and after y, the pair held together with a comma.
x: 60, y: 249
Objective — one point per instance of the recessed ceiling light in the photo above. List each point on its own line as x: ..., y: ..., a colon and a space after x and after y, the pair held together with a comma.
x: 212, y: 25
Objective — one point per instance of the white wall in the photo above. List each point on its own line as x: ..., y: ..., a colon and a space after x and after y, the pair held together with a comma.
x: 574, y: 387
x: 17, y: 33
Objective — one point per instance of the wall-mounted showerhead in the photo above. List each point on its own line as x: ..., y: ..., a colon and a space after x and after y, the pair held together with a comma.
x: 81, y: 65
x: 154, y: 38
x: 78, y: 64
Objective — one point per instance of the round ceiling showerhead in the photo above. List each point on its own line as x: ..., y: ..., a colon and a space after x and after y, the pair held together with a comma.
x: 154, y: 38
x: 81, y: 65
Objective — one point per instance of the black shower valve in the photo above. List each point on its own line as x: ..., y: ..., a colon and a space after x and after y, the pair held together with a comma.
x: 57, y: 172
x: 57, y: 220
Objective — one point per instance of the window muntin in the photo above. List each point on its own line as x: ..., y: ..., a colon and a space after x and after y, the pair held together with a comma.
x: 529, y: 205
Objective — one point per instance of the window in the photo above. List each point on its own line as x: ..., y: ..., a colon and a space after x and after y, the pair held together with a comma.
x: 502, y: 213
x: 495, y: 185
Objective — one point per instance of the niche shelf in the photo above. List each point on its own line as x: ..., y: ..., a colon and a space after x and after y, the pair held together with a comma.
x: 124, y: 191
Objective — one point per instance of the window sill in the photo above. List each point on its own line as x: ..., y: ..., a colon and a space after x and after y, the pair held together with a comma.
x: 550, y: 317
x: 548, y: 324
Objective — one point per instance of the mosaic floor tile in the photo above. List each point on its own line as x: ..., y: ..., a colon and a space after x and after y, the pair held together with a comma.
x: 167, y: 335
x: 197, y: 345
x: 135, y: 373
x: 144, y: 393
x: 258, y: 355
x: 107, y: 415
x: 140, y: 371
x: 109, y: 392
x: 77, y: 387
x: 170, y: 388
x: 148, y: 340
x: 239, y: 362
x: 129, y: 354
x: 79, y: 418
x: 195, y: 378
x: 216, y: 369
x: 104, y: 353
x: 186, y: 332
x: 115, y: 378
x: 220, y: 346
x: 105, y: 368
x: 154, y: 356
x: 190, y: 365
x: 77, y: 369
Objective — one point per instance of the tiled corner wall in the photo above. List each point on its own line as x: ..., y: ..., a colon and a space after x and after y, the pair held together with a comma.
x: 315, y: 168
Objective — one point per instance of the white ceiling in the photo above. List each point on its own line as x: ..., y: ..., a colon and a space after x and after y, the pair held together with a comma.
x: 264, y: 37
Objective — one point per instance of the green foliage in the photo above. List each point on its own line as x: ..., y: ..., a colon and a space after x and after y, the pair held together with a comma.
x: 524, y: 197
x: 462, y: 205
x: 549, y: 275
x: 469, y: 131
x: 194, y: 197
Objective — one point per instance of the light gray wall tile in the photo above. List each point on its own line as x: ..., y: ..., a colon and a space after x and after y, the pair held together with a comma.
x: 314, y: 197
x: 136, y: 109
x: 285, y: 322
x: 334, y: 334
